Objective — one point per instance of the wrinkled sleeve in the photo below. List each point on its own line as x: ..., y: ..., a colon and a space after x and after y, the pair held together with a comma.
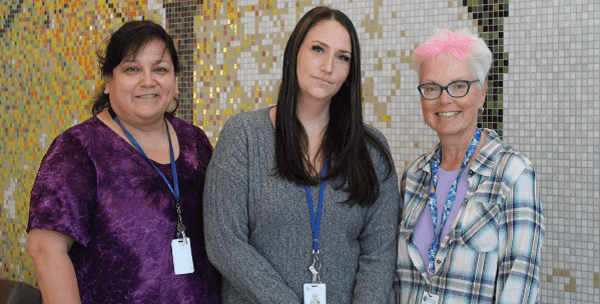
x: 226, y: 199
x: 64, y: 190
x: 521, y: 235
x: 377, y: 260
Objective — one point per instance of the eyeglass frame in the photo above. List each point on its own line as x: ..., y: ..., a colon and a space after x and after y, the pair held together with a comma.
x: 446, y: 88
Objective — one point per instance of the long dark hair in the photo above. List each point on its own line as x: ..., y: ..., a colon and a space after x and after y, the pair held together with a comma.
x: 124, y: 43
x: 344, y: 144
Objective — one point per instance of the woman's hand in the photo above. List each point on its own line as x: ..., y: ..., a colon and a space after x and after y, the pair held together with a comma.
x: 53, y: 267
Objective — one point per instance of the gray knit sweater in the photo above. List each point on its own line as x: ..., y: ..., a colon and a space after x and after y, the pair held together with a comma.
x: 258, y: 229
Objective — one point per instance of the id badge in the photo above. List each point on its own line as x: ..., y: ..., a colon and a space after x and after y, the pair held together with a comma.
x: 429, y: 298
x: 182, y: 256
x: 314, y: 293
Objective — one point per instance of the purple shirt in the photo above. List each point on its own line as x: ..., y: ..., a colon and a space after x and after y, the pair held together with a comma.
x: 96, y: 188
x: 423, y: 234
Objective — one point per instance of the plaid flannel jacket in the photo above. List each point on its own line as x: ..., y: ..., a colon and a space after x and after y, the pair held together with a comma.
x: 492, y: 253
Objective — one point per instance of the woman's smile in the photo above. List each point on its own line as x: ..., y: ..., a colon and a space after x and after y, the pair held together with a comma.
x: 447, y: 114
x: 147, y: 96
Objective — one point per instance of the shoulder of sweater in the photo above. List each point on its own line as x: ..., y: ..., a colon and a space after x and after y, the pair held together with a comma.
x: 375, y: 132
x: 245, y: 120
x: 242, y: 129
x: 378, y: 158
x: 378, y: 135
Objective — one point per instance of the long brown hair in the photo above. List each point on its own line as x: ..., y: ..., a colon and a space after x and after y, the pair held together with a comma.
x: 344, y: 144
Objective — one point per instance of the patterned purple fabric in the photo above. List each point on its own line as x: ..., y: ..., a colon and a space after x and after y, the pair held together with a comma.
x: 96, y: 188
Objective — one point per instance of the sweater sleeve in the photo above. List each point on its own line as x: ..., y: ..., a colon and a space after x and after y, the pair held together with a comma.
x: 377, y: 260
x: 226, y: 198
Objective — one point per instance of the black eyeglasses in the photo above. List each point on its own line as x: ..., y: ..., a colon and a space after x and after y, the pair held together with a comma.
x: 456, y: 89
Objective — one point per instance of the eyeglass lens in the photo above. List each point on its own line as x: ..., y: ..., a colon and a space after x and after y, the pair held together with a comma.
x: 456, y: 89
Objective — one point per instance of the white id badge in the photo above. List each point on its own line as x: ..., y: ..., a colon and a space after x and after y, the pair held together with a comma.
x: 182, y: 256
x: 429, y: 298
x: 314, y: 293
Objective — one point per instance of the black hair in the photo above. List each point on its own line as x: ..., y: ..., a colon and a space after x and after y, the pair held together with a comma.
x: 124, y: 43
x: 344, y: 144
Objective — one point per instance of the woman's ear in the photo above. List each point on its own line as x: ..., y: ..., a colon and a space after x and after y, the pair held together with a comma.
x: 107, y: 82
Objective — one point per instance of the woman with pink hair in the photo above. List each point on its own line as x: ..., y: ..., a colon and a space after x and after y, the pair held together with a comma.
x: 472, y: 228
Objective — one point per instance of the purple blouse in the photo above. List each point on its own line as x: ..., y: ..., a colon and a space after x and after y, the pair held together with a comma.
x: 96, y: 188
x: 423, y: 235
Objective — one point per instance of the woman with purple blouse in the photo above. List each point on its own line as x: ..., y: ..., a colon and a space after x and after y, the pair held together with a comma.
x: 116, y: 207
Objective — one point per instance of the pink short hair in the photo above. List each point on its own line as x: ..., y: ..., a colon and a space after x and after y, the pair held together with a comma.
x: 461, y: 44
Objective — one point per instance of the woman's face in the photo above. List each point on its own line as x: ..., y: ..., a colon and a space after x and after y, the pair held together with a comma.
x: 323, y: 61
x: 141, y: 88
x: 447, y: 115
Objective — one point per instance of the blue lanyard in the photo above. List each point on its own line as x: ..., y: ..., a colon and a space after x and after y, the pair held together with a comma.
x: 173, y: 167
x: 317, y: 222
x: 435, y: 165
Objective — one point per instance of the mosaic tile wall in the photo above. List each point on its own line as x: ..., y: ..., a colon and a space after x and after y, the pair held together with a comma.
x: 552, y: 114
x: 542, y: 94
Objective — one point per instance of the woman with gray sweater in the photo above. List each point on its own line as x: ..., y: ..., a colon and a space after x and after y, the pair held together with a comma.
x: 301, y: 199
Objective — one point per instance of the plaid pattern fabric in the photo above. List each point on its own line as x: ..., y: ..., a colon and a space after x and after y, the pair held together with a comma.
x: 492, y: 253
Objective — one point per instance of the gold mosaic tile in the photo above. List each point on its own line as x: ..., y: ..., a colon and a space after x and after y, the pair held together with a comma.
x: 231, y: 53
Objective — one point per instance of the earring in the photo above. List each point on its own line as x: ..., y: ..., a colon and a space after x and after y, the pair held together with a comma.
x: 172, y: 106
x: 480, y: 110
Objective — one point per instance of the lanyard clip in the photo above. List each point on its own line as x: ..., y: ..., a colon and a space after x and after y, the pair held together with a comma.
x: 315, y: 268
x: 180, y: 226
x: 181, y: 232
